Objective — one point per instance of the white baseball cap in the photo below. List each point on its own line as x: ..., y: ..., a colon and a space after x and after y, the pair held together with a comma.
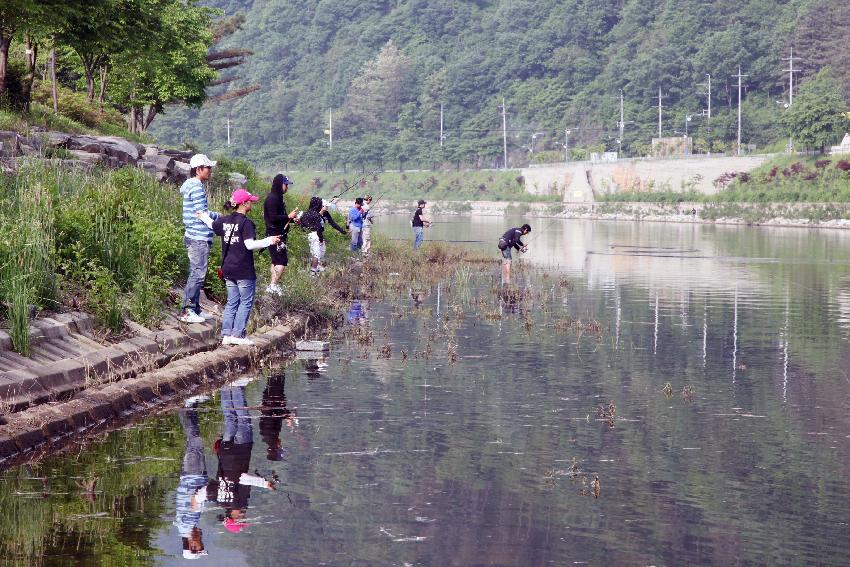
x: 200, y: 160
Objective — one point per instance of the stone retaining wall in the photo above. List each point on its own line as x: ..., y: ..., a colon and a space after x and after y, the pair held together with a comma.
x: 49, y: 426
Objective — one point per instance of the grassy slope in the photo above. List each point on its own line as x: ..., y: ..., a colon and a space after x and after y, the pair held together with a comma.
x: 413, y: 185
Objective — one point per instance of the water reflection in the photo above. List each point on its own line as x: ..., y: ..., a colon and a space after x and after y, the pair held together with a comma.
x: 191, y: 490
x: 460, y: 450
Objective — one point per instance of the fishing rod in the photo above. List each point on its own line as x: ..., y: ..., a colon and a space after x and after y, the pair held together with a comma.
x: 544, y: 229
x: 350, y: 187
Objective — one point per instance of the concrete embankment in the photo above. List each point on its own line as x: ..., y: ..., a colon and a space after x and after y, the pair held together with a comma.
x: 48, y: 426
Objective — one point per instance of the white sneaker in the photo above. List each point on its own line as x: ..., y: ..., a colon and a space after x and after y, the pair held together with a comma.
x: 242, y: 381
x: 191, y: 317
x: 195, y: 400
x: 274, y: 290
x: 227, y: 340
x: 321, y: 268
x: 206, y: 315
x: 241, y: 341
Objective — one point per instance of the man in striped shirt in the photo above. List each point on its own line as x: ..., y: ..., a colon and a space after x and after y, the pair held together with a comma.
x: 197, y: 237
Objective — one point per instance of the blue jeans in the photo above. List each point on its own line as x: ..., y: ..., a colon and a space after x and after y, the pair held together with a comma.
x: 237, y: 419
x: 356, y: 238
x: 240, y: 299
x: 419, y: 233
x: 199, y: 257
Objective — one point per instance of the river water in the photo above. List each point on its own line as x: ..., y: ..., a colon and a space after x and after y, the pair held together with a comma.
x: 455, y: 426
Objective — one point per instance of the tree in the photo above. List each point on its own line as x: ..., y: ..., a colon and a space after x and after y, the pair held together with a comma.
x: 108, y: 27
x: 818, y: 116
x: 375, y: 97
x: 171, y: 67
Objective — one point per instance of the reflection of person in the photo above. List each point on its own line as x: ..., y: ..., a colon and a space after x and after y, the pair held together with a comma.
x: 277, y: 223
x: 418, y: 296
x: 419, y: 222
x: 274, y: 415
x: 357, y: 313
x: 191, y: 493
x: 511, y: 239
x: 232, y: 487
x: 313, y: 367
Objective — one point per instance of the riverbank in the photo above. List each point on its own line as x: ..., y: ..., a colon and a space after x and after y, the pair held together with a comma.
x: 800, y: 215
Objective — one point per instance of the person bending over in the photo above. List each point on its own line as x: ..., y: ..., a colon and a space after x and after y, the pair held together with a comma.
x: 511, y: 239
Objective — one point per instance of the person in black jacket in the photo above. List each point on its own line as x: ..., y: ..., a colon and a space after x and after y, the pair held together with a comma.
x: 277, y: 224
x: 313, y: 223
x: 511, y: 239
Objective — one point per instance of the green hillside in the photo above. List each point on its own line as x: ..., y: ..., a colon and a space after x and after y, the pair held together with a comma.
x: 385, y: 67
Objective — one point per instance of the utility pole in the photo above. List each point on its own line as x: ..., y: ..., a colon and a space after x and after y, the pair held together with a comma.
x: 709, y: 99
x: 659, y: 112
x: 566, y: 144
x: 740, y: 76
x: 441, y: 124
x: 504, y: 133
x: 791, y: 70
x: 622, y: 120
x: 331, y: 128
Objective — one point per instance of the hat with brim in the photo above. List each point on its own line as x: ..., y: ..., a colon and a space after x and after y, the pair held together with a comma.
x: 241, y: 196
x: 200, y: 160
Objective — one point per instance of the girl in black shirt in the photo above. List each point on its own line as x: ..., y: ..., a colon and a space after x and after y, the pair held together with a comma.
x: 238, y: 242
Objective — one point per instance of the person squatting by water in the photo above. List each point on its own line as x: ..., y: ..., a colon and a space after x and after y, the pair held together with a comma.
x: 238, y: 243
x: 197, y: 236
x: 278, y: 222
x: 311, y: 221
x: 419, y: 222
x: 355, y: 224
x: 368, y: 221
x: 511, y: 239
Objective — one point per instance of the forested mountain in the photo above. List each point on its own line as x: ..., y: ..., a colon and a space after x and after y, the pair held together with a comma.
x: 384, y: 68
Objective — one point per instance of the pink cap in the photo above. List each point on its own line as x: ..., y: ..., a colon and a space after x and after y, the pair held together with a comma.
x: 232, y: 525
x: 242, y: 196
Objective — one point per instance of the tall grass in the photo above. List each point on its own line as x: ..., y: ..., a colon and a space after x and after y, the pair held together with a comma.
x: 113, y: 238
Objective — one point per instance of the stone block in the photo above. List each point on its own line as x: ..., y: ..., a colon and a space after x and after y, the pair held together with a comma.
x: 125, y: 151
x: 85, y: 144
x: 143, y: 344
x: 99, y: 409
x: 160, y: 162
x: 50, y: 328
x: 55, y: 139
x: 8, y: 448
x: 11, y: 142
x: 5, y: 341
x: 95, y: 363
x: 118, y: 396
x: 87, y: 157
x: 20, y: 388
x: 142, y: 390
x: 27, y: 437
x: 61, y: 377
x: 54, y: 423
x: 77, y: 412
